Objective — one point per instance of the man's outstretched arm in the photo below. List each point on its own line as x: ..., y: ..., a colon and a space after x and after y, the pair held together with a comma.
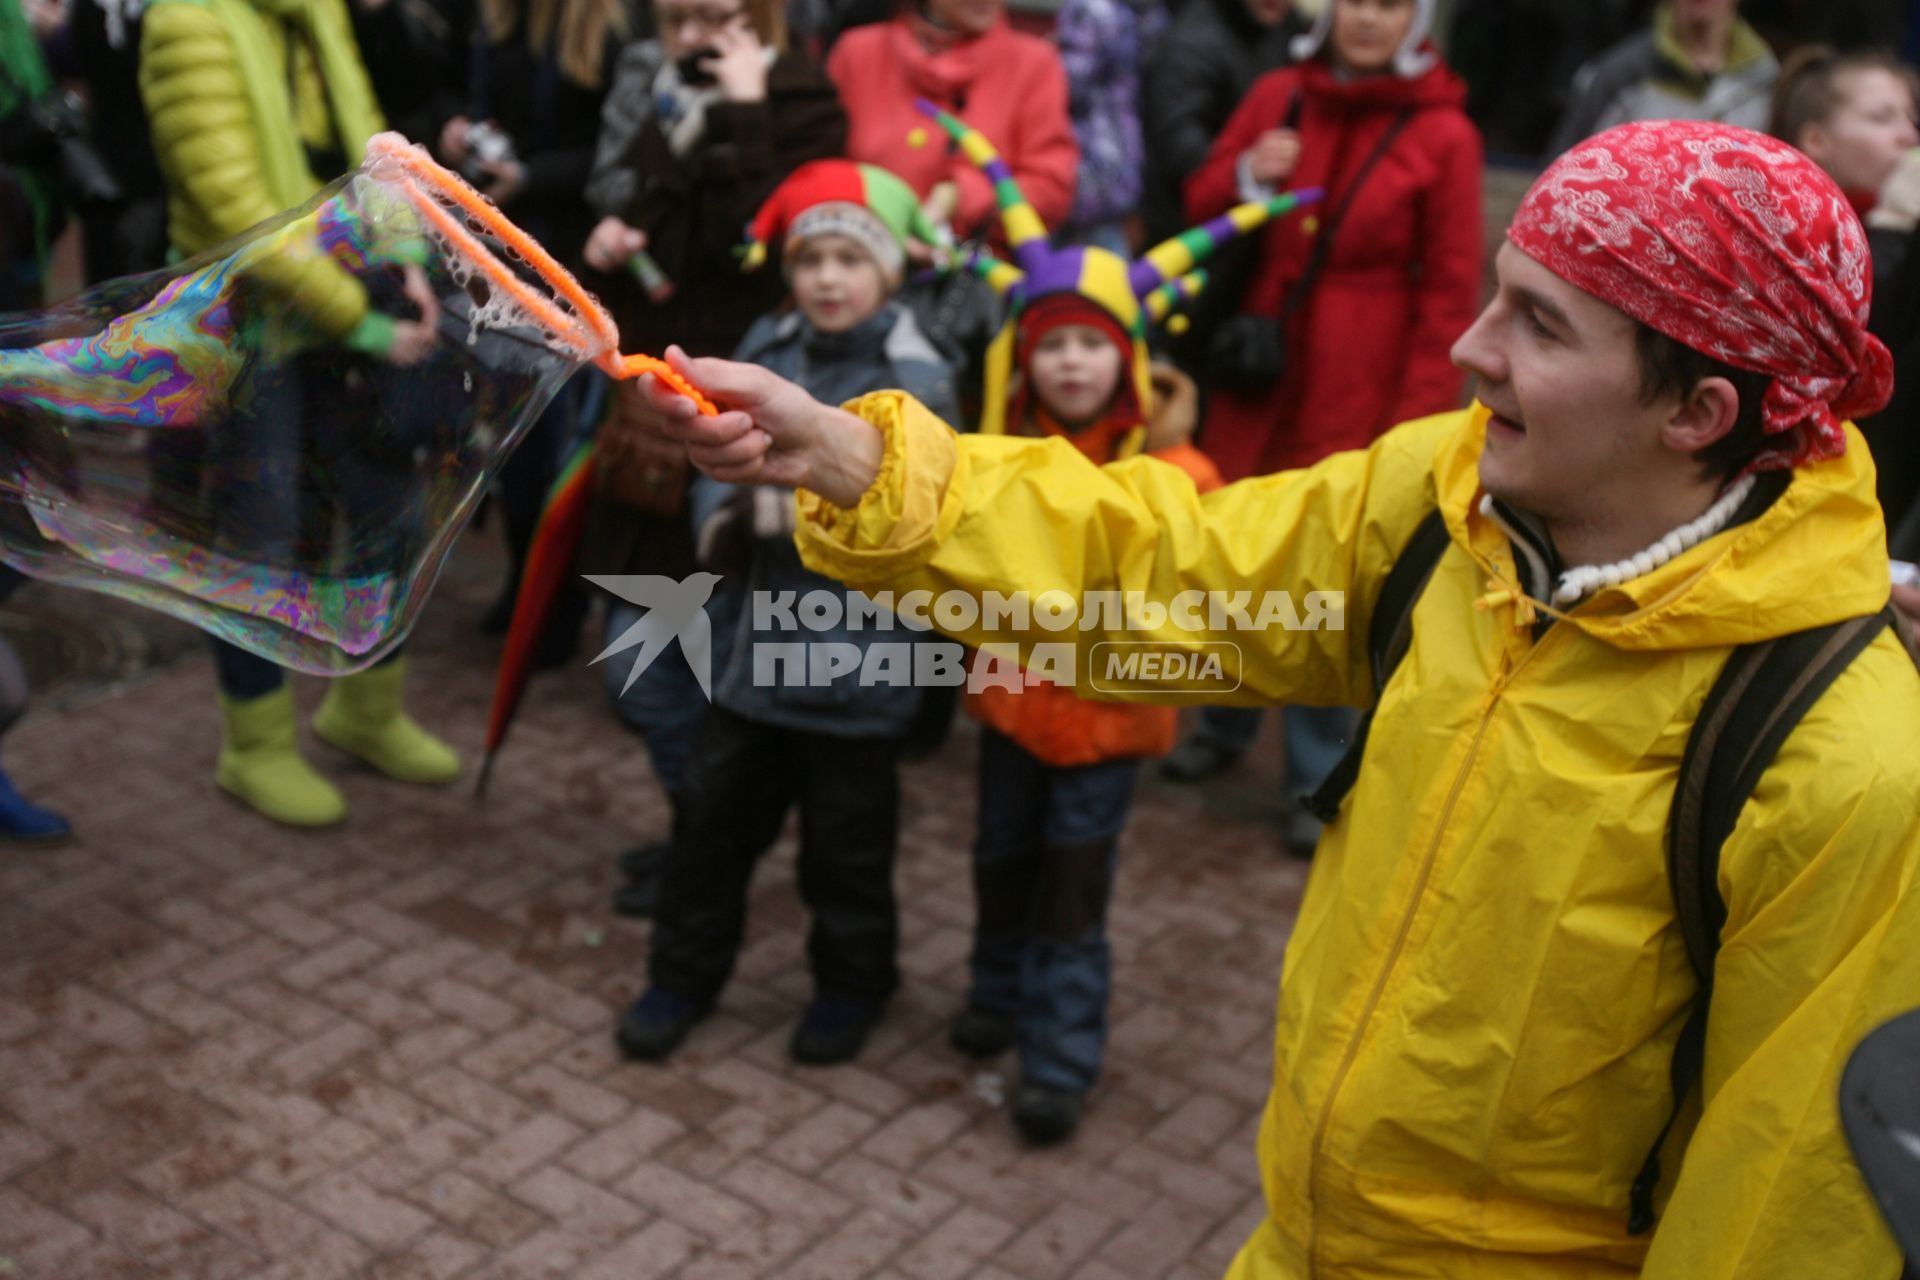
x: 891, y: 499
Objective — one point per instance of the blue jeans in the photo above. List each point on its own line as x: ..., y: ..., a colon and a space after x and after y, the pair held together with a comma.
x: 1043, y: 869
x: 1315, y: 738
x: 304, y: 456
x: 243, y: 675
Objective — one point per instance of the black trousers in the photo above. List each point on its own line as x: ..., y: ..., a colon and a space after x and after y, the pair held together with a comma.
x: 741, y: 780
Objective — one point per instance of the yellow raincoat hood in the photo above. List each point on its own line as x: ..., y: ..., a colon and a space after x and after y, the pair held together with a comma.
x: 1485, y: 982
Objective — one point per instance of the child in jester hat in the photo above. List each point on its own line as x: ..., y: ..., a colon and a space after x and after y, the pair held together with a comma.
x: 766, y: 745
x: 1056, y: 770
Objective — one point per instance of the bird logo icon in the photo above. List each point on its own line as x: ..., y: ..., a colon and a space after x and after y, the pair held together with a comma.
x: 675, y: 609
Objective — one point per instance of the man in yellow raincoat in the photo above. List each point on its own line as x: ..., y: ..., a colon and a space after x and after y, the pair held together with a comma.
x: 1487, y: 980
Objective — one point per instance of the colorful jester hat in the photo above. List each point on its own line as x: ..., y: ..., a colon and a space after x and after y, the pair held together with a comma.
x: 1131, y: 294
x: 863, y: 202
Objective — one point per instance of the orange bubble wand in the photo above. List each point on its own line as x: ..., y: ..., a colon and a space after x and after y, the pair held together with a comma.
x: 451, y: 207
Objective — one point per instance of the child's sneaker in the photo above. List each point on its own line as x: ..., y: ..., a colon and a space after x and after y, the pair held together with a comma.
x: 833, y: 1029
x: 657, y: 1023
x: 1044, y: 1115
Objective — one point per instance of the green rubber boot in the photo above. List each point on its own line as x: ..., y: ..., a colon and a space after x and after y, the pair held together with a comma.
x: 362, y: 716
x: 260, y: 764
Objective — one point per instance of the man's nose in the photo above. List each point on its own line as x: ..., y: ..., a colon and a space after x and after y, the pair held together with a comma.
x: 1476, y: 352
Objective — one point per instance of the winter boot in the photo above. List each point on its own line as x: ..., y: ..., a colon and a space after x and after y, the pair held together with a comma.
x: 260, y: 764
x: 362, y: 716
x: 656, y: 1024
x: 833, y: 1029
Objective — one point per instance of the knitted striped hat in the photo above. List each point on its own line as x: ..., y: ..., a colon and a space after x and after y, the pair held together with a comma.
x: 863, y: 202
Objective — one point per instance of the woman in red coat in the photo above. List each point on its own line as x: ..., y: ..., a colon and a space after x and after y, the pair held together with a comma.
x: 962, y: 55
x: 1366, y: 346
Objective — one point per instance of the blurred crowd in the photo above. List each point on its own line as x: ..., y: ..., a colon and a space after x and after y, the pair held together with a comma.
x: 646, y: 144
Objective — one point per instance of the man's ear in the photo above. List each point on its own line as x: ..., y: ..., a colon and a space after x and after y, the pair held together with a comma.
x: 1704, y: 417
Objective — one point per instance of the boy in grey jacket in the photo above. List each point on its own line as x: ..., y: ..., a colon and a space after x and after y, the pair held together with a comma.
x: 818, y: 735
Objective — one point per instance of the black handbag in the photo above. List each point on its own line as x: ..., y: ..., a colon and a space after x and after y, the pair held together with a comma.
x: 1249, y: 352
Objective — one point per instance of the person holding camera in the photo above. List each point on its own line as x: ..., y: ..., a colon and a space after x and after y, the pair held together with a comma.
x: 702, y: 124
x: 539, y: 76
x: 419, y: 54
x: 965, y: 57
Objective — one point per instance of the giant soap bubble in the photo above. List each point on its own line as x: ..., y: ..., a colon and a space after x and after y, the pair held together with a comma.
x: 222, y: 442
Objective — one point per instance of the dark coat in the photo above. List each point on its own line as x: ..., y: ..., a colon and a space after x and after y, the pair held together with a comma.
x: 695, y: 208
x: 1210, y: 56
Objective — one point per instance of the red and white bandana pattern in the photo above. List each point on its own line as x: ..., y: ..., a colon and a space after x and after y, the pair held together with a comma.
x: 1735, y: 245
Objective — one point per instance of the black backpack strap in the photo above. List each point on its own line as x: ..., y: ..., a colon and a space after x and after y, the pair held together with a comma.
x: 1758, y: 700
x: 1389, y: 634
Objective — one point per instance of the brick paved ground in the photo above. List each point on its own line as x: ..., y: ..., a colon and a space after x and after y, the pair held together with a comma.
x: 384, y: 1051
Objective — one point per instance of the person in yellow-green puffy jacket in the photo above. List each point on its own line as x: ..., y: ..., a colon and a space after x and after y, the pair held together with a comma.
x: 1488, y: 977
x: 254, y: 105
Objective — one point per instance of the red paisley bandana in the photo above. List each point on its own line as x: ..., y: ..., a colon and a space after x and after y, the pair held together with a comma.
x: 1733, y: 244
